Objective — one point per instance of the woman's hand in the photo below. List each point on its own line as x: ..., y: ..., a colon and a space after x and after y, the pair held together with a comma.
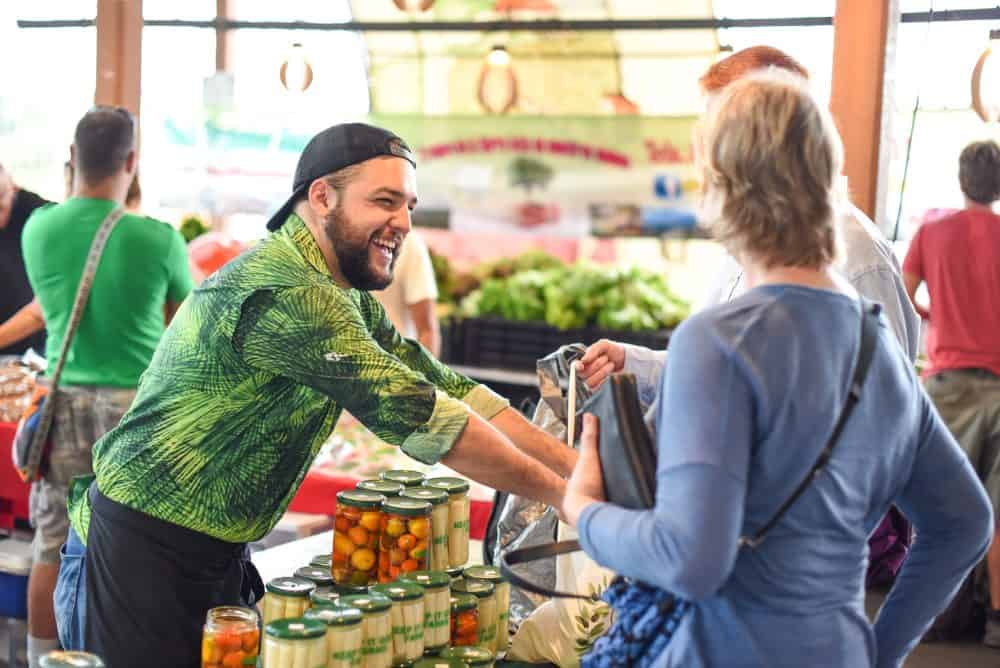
x: 586, y: 485
x: 600, y: 361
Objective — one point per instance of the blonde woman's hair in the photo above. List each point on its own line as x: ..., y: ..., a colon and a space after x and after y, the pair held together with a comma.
x: 771, y: 155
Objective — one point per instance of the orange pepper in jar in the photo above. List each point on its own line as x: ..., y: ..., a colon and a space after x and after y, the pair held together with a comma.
x: 403, y: 545
x: 355, y: 538
x: 464, y: 620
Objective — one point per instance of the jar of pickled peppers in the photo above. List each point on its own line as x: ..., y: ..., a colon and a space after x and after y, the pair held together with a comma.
x: 437, y: 606
x: 458, y: 517
x: 492, y: 575
x: 438, y: 498
x: 405, y: 478
x: 286, y: 597
x: 355, y: 537
x: 230, y: 637
x: 405, y: 539
x: 464, y: 620
x: 485, y: 594
x: 386, y: 488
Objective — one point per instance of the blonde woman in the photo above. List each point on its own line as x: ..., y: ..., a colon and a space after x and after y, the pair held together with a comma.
x: 749, y: 398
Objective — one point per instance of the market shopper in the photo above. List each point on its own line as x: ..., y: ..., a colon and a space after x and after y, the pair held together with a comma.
x: 752, y: 391
x: 958, y: 257
x: 244, y: 388
x: 16, y: 206
x: 410, y: 300
x: 142, y: 271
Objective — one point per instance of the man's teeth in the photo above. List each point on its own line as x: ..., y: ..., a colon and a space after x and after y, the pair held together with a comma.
x: 389, y: 245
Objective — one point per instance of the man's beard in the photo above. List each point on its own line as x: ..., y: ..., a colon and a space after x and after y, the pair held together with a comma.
x: 353, y: 254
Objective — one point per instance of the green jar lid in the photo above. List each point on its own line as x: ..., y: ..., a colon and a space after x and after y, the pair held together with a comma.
x: 474, y: 656
x: 322, y: 561
x: 407, y: 478
x: 296, y: 587
x: 407, y: 507
x: 359, y: 498
x: 296, y: 628
x: 435, y: 497
x: 455, y: 573
x: 484, y: 573
x: 350, y: 590
x: 441, y: 663
x: 367, y: 603
x: 450, y: 485
x: 70, y: 660
x: 386, y: 488
x: 463, y: 602
x: 400, y: 591
x: 426, y: 579
x: 478, y: 588
x: 324, y: 596
x: 335, y: 615
x: 321, y: 576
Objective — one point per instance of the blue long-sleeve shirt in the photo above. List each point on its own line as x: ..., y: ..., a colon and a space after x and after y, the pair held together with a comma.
x: 752, y: 391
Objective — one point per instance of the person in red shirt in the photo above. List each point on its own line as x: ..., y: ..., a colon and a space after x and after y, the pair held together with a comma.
x: 958, y: 256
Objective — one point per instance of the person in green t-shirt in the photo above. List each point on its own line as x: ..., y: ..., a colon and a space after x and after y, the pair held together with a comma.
x: 142, y: 278
x: 246, y: 385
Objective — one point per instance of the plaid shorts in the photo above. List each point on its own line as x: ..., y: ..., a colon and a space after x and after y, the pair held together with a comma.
x: 83, y: 413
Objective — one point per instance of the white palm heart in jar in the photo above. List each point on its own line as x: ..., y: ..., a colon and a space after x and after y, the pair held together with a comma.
x: 437, y: 606
x: 405, y: 536
x: 458, y: 517
x: 343, y: 634
x: 438, y: 498
x: 294, y: 643
x: 355, y: 537
x: 286, y: 597
x: 407, y: 617
x: 376, y: 629
x: 492, y: 575
x: 485, y: 594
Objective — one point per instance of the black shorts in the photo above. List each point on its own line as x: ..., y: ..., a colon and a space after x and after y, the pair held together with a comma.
x: 150, y: 584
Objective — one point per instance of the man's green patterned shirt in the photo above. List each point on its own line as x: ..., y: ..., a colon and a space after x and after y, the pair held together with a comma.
x: 248, y: 382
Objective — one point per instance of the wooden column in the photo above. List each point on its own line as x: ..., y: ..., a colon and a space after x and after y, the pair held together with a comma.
x: 119, y: 53
x: 864, y: 49
x: 223, y: 9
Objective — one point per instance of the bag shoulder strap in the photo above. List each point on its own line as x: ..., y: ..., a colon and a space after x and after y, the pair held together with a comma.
x: 866, y: 352
x: 79, y: 304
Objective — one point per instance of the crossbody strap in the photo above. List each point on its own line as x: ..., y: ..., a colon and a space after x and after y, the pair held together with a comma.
x: 79, y: 305
x: 866, y: 352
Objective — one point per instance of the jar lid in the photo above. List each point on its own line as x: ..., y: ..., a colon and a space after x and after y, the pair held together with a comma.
x: 373, y: 602
x: 322, y: 560
x: 400, y: 591
x: 440, y: 662
x: 427, y: 579
x: 359, y: 498
x: 407, y: 507
x: 350, y: 590
x: 407, y: 478
x: 296, y: 628
x: 335, y: 615
x: 474, y: 656
x: 70, y: 659
x: 463, y: 602
x: 484, y: 573
x: 384, y: 487
x: 297, y: 587
x: 324, y: 596
x: 450, y: 485
x: 321, y: 576
x: 478, y: 588
x: 455, y: 573
x: 435, y: 497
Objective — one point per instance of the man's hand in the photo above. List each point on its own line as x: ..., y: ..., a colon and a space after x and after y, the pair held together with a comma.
x: 600, y: 361
x: 586, y: 485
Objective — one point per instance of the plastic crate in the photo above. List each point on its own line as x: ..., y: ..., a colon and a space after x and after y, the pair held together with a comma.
x: 15, y: 566
x: 506, y: 344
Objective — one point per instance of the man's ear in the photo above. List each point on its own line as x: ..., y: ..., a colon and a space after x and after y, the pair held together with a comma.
x: 131, y: 162
x: 322, y: 198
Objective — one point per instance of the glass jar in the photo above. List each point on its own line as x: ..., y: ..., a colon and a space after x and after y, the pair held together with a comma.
x: 286, y: 597
x: 437, y: 606
x: 405, y: 478
x: 438, y: 498
x: 322, y: 561
x: 407, y: 617
x: 458, y: 517
x: 485, y: 593
x: 437, y: 662
x: 343, y: 634
x: 386, y: 488
x: 230, y: 637
x: 474, y: 657
x: 355, y: 537
x: 324, y: 596
x: 295, y: 643
x: 406, y: 530
x: 464, y: 620
x: 492, y: 575
x: 62, y: 659
x: 376, y: 629
x: 321, y: 577
x: 456, y: 573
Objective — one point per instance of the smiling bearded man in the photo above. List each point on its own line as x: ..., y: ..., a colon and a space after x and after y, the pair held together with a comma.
x: 247, y: 384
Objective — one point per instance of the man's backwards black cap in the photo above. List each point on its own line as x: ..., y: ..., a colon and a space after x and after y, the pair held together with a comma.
x: 334, y: 149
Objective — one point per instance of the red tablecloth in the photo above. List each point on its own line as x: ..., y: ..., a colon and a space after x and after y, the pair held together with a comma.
x: 319, y: 491
x: 13, y: 492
